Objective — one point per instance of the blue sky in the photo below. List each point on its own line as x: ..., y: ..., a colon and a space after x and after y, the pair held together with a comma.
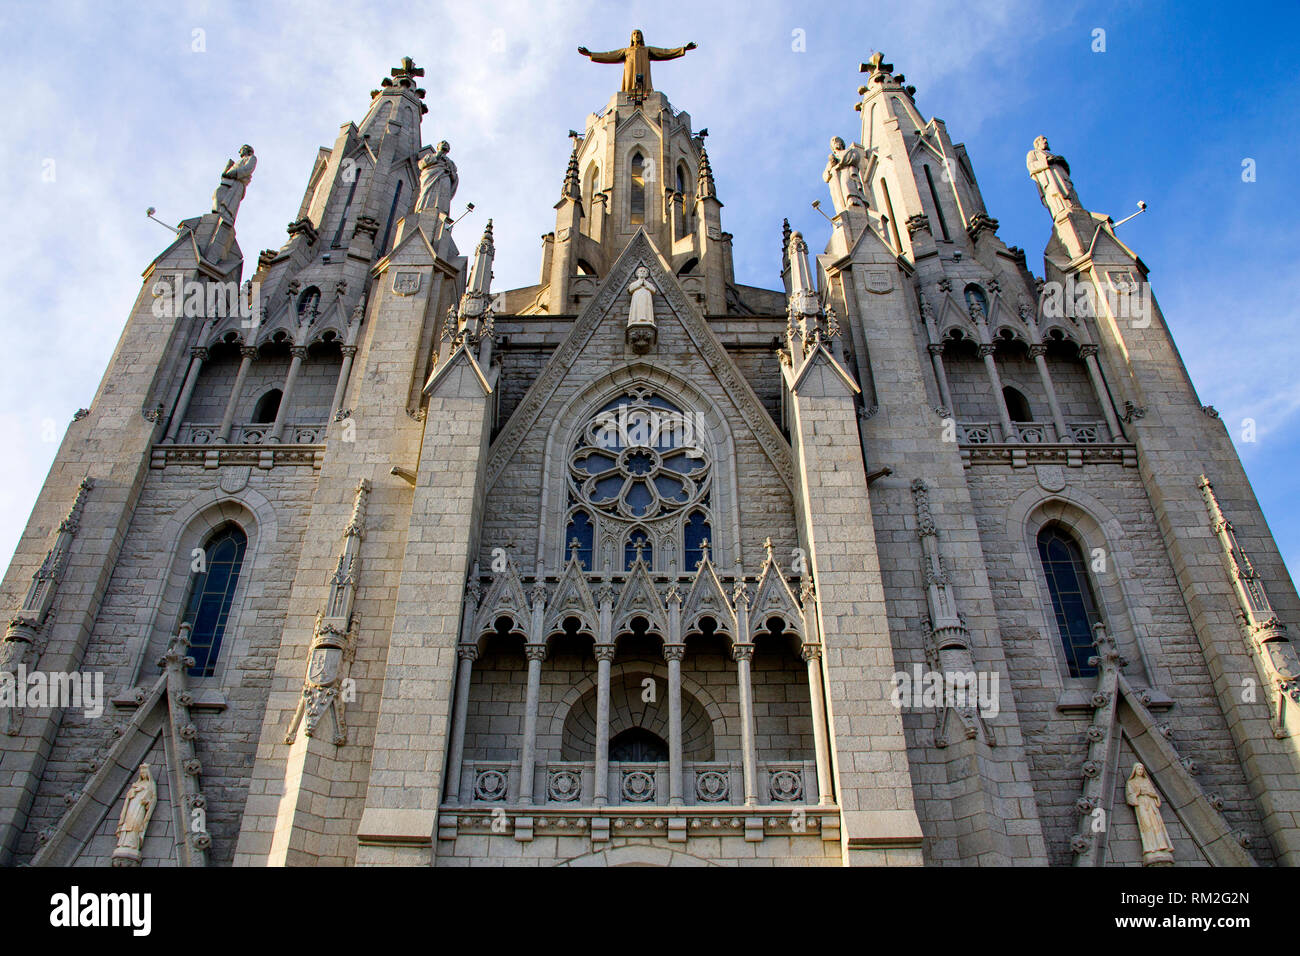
x: 112, y: 110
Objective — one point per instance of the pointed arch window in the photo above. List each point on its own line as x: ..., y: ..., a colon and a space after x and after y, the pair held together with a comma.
x: 636, y: 194
x: 308, y: 301
x: 212, y: 590
x: 268, y: 406
x: 638, y: 745
x: 975, y: 296
x: 580, y: 529
x: 695, y: 533
x: 1017, y: 405
x: 1073, y: 601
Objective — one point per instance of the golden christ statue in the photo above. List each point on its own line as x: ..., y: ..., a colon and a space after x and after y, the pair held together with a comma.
x: 636, y: 59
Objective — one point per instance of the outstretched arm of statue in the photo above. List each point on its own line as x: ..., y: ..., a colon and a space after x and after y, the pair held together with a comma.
x: 663, y: 53
x: 610, y: 56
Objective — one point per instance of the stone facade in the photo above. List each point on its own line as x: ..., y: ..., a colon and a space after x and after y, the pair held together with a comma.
x: 638, y: 565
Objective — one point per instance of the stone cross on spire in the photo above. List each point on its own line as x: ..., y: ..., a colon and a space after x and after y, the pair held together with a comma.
x: 636, y: 57
x: 403, y: 75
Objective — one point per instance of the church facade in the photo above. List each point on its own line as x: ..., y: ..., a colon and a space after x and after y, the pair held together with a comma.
x: 920, y: 559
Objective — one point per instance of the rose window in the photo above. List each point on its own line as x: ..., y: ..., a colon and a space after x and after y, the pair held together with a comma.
x: 640, y: 458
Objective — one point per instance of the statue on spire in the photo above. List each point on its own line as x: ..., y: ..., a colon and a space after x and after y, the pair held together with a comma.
x: 234, y: 182
x: 438, y: 180
x: 1051, y: 173
x: 636, y: 58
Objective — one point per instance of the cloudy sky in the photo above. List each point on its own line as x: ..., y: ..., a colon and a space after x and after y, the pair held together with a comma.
x: 110, y: 110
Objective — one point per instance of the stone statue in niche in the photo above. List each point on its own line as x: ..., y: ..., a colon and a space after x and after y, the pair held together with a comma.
x: 843, y: 173
x: 234, y: 183
x: 1052, y: 175
x: 641, y: 330
x: 137, y: 811
x: 1141, y: 794
x: 438, y: 180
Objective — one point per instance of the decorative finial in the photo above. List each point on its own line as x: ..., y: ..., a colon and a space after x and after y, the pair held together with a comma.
x: 638, y: 545
x: 767, y: 546
x: 704, y: 552
x: 876, y: 65
x: 404, y: 74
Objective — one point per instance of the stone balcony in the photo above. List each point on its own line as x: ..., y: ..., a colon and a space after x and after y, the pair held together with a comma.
x: 302, y: 443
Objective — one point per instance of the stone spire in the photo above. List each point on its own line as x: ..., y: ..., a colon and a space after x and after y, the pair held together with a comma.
x: 470, y: 322
x: 572, y: 189
x: 706, y: 189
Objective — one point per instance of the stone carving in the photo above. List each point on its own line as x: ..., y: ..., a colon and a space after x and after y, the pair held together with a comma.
x: 406, y: 283
x: 333, y: 642
x: 1141, y: 794
x: 636, y: 58
x: 712, y: 786
x: 564, y: 786
x: 785, y: 786
x: 137, y: 811
x: 843, y: 174
x: 438, y: 180
x: 491, y: 784
x: 638, y: 786
x: 641, y: 330
x: 1051, y: 173
x: 234, y: 183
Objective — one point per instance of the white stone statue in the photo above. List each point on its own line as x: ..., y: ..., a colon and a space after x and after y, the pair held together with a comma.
x: 137, y: 810
x: 843, y: 173
x: 234, y: 183
x: 1052, y: 175
x: 1142, y: 796
x: 641, y: 332
x: 438, y: 180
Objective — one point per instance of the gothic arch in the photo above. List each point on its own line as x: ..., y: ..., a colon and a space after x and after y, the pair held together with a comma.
x: 1094, y: 526
x: 183, y: 533
x: 719, y: 728
x: 574, y: 414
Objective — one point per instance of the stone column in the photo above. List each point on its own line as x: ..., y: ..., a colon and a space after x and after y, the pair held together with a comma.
x: 742, y: 654
x: 247, y: 354
x: 1039, y: 354
x: 1089, y: 355
x: 812, y: 654
x: 604, y: 656
x: 941, y: 376
x: 299, y: 352
x: 1009, y: 432
x: 536, y: 653
x: 673, y: 654
x: 198, y: 356
x: 340, y: 390
x: 468, y: 654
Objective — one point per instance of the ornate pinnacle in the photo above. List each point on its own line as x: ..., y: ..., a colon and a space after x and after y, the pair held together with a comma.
x: 574, y: 547
x: 704, y: 553
x: 785, y: 244
x: 705, y: 189
x: 876, y: 64
x: 486, y: 245
x: 572, y: 189
x: 767, y: 547
x: 403, y: 77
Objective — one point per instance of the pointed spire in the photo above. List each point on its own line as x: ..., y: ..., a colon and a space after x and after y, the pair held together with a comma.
x: 785, y: 245
x: 706, y: 189
x: 480, y: 271
x: 572, y: 188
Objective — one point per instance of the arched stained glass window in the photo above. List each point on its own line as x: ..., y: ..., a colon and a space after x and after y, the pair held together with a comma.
x: 1073, y: 602
x: 695, y: 533
x: 637, y: 193
x: 212, y: 589
x: 581, y: 531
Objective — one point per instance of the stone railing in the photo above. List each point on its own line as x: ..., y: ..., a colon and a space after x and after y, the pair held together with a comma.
x: 196, y: 433
x: 704, y: 783
x: 1031, y: 433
